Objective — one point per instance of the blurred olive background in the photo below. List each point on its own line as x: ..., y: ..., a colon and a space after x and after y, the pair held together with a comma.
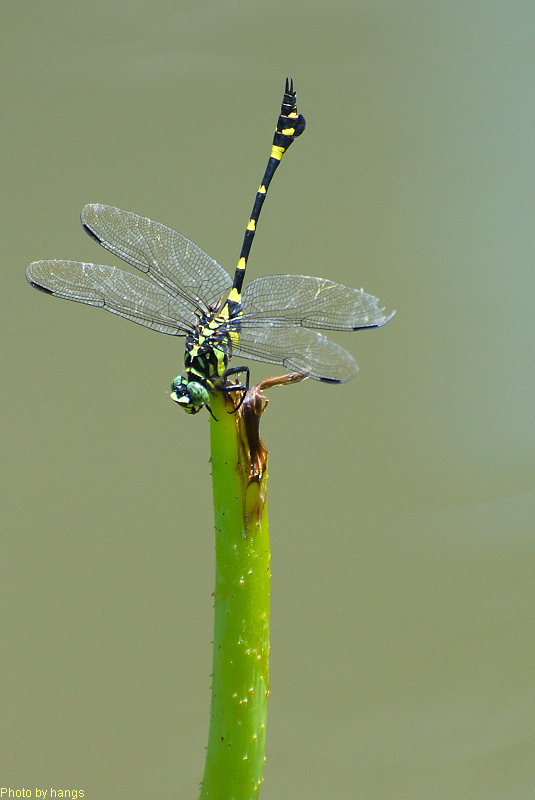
x: 401, y: 504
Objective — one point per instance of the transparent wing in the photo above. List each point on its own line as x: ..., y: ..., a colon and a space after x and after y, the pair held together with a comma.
x: 168, y: 258
x: 297, y: 349
x: 283, y: 300
x: 114, y: 289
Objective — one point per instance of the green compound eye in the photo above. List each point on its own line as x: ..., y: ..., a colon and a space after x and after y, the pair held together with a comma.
x: 190, y: 395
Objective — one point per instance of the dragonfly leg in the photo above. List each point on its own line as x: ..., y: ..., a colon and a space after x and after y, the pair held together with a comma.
x: 211, y: 412
x: 236, y: 387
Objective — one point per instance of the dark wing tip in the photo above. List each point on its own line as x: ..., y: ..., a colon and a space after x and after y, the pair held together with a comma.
x: 39, y: 287
x: 32, y: 282
x: 89, y: 210
x: 91, y: 233
x: 377, y: 324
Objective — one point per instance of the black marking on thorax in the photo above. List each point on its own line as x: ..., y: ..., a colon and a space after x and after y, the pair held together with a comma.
x: 209, y: 343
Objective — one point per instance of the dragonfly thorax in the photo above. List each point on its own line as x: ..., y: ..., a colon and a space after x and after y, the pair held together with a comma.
x: 209, y: 347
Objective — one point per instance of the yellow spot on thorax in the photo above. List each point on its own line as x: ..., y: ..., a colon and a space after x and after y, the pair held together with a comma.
x: 251, y: 225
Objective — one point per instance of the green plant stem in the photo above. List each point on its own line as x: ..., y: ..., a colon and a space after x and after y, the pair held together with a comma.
x: 240, y: 687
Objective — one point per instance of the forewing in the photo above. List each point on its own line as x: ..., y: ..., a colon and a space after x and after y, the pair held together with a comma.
x: 114, y: 289
x: 298, y: 349
x: 173, y: 262
x: 310, y: 302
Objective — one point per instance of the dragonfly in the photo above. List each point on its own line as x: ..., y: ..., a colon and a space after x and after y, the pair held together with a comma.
x: 185, y: 292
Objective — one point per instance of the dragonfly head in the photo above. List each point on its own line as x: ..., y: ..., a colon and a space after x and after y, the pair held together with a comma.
x: 190, y: 395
